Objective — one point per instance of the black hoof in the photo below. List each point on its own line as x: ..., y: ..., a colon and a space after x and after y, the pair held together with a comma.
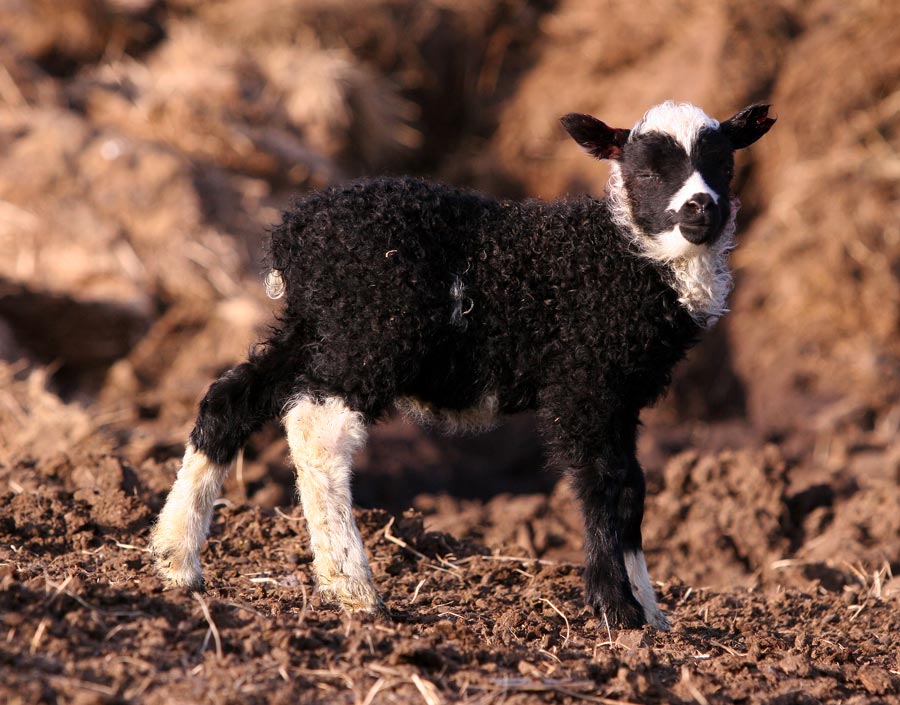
x: 619, y: 614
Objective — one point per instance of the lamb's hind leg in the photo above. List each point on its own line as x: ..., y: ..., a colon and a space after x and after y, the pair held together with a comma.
x: 236, y: 405
x: 183, y: 524
x: 323, y: 434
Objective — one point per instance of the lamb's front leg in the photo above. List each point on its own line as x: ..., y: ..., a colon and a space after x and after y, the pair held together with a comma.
x: 592, y: 452
x: 607, y: 583
x: 323, y: 435
x: 631, y: 515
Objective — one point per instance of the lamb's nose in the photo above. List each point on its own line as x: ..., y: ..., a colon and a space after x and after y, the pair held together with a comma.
x: 699, y: 203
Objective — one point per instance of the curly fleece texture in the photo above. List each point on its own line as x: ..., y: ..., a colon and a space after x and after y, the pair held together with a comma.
x: 399, y: 288
x: 554, y: 297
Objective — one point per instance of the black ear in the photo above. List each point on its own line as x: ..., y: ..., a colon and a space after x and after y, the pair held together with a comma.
x: 748, y: 125
x: 595, y: 137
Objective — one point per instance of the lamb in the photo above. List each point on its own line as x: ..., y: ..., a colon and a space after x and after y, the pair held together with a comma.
x: 456, y: 307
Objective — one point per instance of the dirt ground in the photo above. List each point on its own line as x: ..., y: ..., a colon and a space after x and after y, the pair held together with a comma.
x: 145, y: 146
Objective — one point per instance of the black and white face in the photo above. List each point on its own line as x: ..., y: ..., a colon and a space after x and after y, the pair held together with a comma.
x: 679, y: 192
x: 674, y: 169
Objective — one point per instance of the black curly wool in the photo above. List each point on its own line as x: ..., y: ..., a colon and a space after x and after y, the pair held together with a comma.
x: 403, y: 288
x: 382, y: 274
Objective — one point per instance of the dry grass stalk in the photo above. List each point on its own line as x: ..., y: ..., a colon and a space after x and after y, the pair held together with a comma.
x: 429, y: 690
x: 302, y: 618
x: 38, y: 635
x: 453, y: 570
x: 96, y: 612
x: 512, y: 559
x: 328, y: 674
x: 573, y: 689
x: 287, y: 517
x: 726, y: 648
x: 415, y: 594
x: 374, y: 690
x: 212, y: 625
x: 691, y: 688
x: 565, y: 619
x: 84, y: 685
x: 132, y: 547
x: 245, y: 608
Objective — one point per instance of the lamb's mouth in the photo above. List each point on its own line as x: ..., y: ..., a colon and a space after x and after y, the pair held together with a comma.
x: 698, y: 234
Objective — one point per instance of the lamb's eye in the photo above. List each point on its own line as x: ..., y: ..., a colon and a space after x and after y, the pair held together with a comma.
x: 648, y: 176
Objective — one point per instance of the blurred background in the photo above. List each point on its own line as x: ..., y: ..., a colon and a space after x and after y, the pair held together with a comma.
x: 146, y: 145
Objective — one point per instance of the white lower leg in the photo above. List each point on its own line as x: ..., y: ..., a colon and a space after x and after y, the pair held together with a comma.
x: 183, y: 523
x: 323, y: 437
x: 636, y: 565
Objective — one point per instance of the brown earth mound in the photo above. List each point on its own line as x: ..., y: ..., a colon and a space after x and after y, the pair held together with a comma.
x: 144, y: 147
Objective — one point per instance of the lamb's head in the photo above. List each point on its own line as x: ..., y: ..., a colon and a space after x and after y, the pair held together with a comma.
x: 670, y: 190
x: 672, y: 171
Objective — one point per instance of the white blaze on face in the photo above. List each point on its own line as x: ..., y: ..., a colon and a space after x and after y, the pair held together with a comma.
x: 682, y: 121
x: 694, y: 185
